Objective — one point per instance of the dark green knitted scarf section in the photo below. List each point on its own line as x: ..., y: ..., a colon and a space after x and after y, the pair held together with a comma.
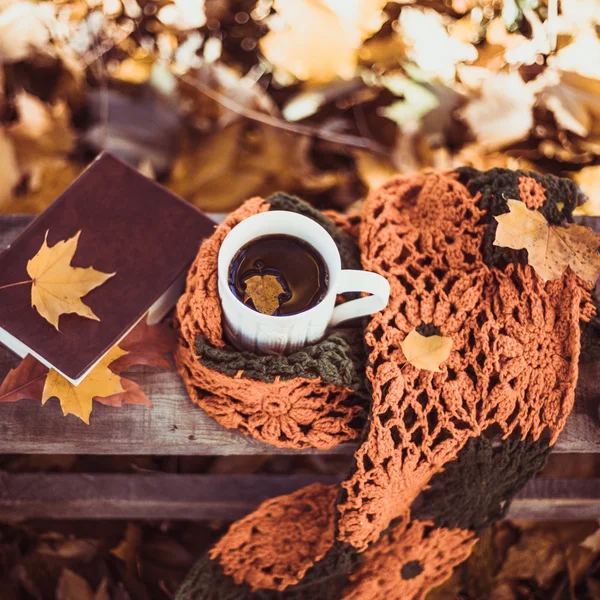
x: 337, y: 359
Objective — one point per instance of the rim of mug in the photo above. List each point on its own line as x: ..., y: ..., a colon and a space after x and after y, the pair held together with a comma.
x: 223, y: 277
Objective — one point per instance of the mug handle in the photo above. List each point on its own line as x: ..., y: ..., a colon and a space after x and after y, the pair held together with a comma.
x: 360, y: 281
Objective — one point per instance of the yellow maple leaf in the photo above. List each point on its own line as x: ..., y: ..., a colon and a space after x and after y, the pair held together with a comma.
x: 426, y: 353
x: 290, y: 45
x: 550, y: 248
x: 57, y: 287
x: 77, y: 400
x: 264, y: 291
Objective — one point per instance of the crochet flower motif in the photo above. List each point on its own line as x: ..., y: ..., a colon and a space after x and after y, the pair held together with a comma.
x: 289, y: 411
x: 423, y: 555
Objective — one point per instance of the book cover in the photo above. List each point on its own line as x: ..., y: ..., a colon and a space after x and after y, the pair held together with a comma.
x: 129, y: 225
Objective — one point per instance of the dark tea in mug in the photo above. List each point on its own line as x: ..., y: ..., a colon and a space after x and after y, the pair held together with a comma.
x: 278, y: 275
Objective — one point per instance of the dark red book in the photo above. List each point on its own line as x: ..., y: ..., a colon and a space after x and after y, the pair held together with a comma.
x: 129, y: 225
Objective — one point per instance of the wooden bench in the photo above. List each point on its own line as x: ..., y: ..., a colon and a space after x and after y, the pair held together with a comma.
x: 175, y: 426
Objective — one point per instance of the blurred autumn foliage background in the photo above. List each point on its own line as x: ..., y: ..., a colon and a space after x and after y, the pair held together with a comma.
x: 224, y: 99
x: 221, y: 100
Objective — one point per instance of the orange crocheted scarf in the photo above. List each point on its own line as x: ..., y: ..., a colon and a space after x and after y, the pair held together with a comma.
x: 441, y: 454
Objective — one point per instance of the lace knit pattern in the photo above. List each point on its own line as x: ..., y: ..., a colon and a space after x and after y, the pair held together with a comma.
x: 514, y: 357
x: 496, y: 407
x: 407, y: 563
x: 312, y: 398
x: 284, y: 537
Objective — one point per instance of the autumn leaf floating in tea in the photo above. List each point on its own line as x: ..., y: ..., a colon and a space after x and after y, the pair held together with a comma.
x: 550, y: 248
x: 264, y: 290
x: 57, y: 287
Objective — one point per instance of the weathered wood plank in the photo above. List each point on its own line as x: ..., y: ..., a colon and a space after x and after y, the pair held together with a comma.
x: 229, y: 497
x: 176, y: 426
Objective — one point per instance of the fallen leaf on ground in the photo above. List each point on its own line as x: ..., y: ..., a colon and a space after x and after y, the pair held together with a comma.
x: 11, y: 174
x: 146, y: 345
x: 426, y: 353
x: 429, y: 44
x: 417, y: 102
x: 592, y: 541
x: 57, y: 287
x: 264, y: 291
x: 129, y: 547
x: 183, y: 14
x: 77, y: 400
x: 542, y: 552
x: 24, y: 29
x: 373, y: 170
x: 24, y: 382
x: 500, y: 111
x: 42, y: 135
x: 290, y: 47
x: 588, y: 180
x: 132, y: 394
x: 550, y: 248
x: 74, y: 587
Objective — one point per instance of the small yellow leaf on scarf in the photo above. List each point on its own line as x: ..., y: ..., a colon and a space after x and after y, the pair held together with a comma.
x: 426, y: 353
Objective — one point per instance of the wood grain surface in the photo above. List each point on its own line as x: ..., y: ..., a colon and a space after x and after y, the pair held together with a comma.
x: 229, y: 497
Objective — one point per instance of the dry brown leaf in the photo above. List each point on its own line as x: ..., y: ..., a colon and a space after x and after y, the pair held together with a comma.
x: 41, y: 138
x: 290, y: 45
x: 501, y: 112
x: 263, y: 160
x: 592, y: 541
x: 24, y: 29
x: 264, y: 290
x: 77, y: 400
x: 203, y: 171
x: 43, y: 132
x: 129, y: 547
x: 11, y: 173
x: 132, y: 394
x: 588, y: 180
x: 132, y: 70
x: 146, y: 345
x: 582, y: 56
x: 430, y: 45
x: 72, y: 586
x: 81, y: 550
x: 24, y: 382
x: 374, y: 171
x: 573, y: 99
x: 183, y: 14
x: 550, y: 249
x: 51, y: 179
x: 426, y: 353
x: 57, y: 287
x: 545, y: 550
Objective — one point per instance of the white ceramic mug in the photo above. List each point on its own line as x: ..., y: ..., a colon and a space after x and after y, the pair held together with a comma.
x: 266, y: 334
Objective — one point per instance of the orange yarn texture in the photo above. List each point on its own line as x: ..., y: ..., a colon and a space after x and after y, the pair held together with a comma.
x: 284, y: 537
x: 431, y: 552
x: 512, y: 371
x: 514, y: 357
x: 293, y: 413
